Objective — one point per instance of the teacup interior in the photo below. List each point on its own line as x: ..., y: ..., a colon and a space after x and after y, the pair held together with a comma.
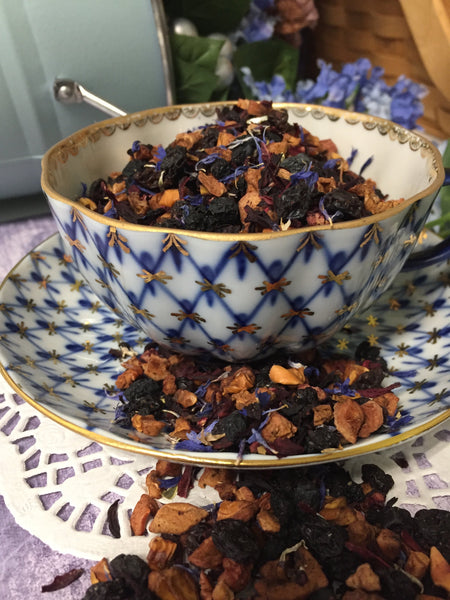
x: 403, y: 163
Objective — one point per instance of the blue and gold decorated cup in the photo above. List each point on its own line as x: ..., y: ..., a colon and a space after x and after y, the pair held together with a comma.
x: 242, y: 296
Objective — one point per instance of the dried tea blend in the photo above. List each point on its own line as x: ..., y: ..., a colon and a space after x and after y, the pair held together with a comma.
x: 249, y: 171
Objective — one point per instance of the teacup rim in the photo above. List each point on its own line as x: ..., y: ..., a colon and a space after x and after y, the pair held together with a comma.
x: 77, y: 138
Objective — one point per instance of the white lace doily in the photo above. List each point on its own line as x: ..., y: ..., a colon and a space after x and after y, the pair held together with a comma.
x: 59, y: 485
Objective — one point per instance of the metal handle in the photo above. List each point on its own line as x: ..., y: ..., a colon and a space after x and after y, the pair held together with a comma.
x: 68, y: 91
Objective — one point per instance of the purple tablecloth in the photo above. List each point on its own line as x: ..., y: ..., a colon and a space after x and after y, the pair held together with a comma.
x: 26, y: 563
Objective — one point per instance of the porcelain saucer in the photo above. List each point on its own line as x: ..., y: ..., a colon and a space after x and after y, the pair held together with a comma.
x: 56, y: 337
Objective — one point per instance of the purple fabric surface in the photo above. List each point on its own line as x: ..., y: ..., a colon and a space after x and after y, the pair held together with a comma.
x: 19, y: 237
x: 26, y: 563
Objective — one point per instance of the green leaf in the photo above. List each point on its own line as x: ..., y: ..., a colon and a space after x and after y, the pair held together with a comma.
x: 194, y: 62
x: 266, y: 59
x: 443, y: 222
x: 209, y: 16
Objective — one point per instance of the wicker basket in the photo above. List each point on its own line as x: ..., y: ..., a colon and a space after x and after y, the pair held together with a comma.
x: 391, y: 33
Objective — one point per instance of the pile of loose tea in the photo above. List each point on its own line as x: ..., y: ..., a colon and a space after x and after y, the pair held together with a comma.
x: 292, y: 534
x: 279, y: 406
x: 249, y: 171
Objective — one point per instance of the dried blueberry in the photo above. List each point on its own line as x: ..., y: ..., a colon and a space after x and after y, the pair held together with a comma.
x: 294, y: 164
x: 396, y: 584
x: 222, y: 212
x: 338, y: 568
x: 432, y: 528
x: 366, y: 351
x: 144, y: 397
x: 173, y: 165
x: 243, y: 151
x: 295, y: 202
x: 195, y: 536
x: 325, y: 540
x: 109, y: 590
x: 307, y: 493
x: 221, y: 168
x: 390, y: 517
x: 321, y: 438
x: 131, y: 168
x: 346, y: 203
x: 235, y: 540
x: 195, y: 218
x: 377, y: 478
x: 130, y: 568
x: 233, y: 426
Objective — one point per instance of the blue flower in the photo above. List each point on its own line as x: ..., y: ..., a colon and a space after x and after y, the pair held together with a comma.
x: 262, y: 90
x: 406, y: 105
x: 358, y: 86
x: 257, y: 25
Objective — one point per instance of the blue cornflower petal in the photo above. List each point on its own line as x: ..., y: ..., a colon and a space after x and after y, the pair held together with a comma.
x: 341, y: 388
x: 193, y: 446
x: 159, y: 155
x: 207, y: 160
x: 168, y: 483
x: 262, y: 396
x: 323, y: 210
x: 366, y: 164
x: 257, y: 437
x: 351, y: 158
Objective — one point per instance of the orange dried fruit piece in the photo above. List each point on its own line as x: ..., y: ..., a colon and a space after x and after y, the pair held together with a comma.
x: 206, y: 555
x: 417, y: 564
x: 147, y: 424
x: 348, y: 419
x: 373, y: 418
x: 176, y: 518
x: 235, y: 575
x: 160, y: 553
x: 277, y: 427
x: 293, y: 376
x: 389, y: 402
x: 174, y: 583
x: 143, y: 510
x: 100, y: 571
x: 439, y: 569
x: 364, y: 578
x: 242, y: 379
x: 241, y: 510
x: 211, y: 184
x: 213, y: 476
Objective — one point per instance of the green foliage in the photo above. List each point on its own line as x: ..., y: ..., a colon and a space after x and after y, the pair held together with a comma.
x: 265, y: 59
x: 194, y: 63
x: 209, y: 16
x: 443, y: 222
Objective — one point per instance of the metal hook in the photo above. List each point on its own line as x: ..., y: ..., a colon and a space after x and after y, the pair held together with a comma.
x: 68, y: 91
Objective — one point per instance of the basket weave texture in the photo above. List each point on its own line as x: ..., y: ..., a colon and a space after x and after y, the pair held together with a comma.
x: 379, y: 30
